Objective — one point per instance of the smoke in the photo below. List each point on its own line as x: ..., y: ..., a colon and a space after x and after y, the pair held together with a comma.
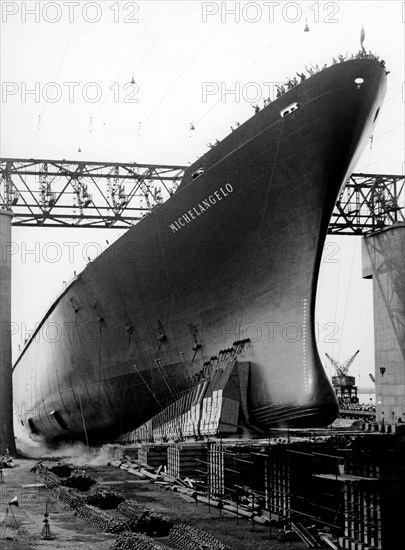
x: 28, y: 447
x: 76, y: 453
x: 80, y: 455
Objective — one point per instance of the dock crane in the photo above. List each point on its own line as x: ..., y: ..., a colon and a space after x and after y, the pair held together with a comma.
x: 343, y: 384
x: 342, y: 369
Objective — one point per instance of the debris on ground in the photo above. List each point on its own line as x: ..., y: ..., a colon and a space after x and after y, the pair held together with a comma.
x: 71, y: 529
x: 145, y: 520
x: 185, y: 537
x: 103, y: 497
x: 79, y: 480
x: 6, y: 461
x: 136, y: 541
x: 62, y: 469
x: 188, y: 488
x: 102, y: 520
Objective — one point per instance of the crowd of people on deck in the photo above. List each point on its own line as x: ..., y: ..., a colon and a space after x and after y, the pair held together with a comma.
x: 313, y: 69
x: 357, y: 408
x: 347, y: 405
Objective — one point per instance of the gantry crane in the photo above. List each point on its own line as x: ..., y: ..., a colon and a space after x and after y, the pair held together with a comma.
x: 342, y: 369
x: 117, y: 195
x: 344, y: 385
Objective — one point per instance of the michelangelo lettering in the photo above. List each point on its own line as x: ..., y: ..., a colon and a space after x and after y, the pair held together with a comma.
x: 201, y: 207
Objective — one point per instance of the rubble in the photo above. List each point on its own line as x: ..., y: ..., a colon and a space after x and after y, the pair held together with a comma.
x: 79, y: 480
x: 136, y: 541
x: 144, y: 519
x: 62, y: 469
x: 6, y: 462
x: 133, y: 522
x: 185, y: 537
x: 100, y: 519
x: 103, y: 497
x: 187, y: 488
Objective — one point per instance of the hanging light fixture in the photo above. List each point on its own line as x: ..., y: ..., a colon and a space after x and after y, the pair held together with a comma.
x: 382, y: 370
x: 132, y: 79
x: 306, y: 28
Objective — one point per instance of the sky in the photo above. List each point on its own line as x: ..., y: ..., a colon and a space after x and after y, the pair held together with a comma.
x: 66, y: 93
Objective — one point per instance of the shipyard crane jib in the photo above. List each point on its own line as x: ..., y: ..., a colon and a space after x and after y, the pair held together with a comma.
x: 342, y: 368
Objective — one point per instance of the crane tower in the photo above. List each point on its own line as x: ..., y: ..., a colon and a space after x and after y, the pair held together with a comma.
x: 343, y: 384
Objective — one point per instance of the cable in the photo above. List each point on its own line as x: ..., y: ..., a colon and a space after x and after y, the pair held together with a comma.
x: 387, y: 156
x: 119, y: 73
x: 84, y: 423
x: 254, y: 63
x: 354, y: 30
x: 336, y: 305
x: 55, y: 79
x: 270, y: 181
x: 347, y: 295
x: 99, y: 360
x: 149, y: 388
x: 391, y: 97
x: 164, y: 96
x: 220, y: 99
x: 388, y: 131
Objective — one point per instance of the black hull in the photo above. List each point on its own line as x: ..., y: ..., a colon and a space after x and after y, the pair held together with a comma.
x: 232, y: 254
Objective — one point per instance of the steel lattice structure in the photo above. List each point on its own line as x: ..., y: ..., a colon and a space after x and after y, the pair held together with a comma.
x: 368, y: 203
x: 63, y: 193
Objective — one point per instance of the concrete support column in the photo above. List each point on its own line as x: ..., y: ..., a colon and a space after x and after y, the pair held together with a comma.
x: 383, y: 256
x: 6, y: 392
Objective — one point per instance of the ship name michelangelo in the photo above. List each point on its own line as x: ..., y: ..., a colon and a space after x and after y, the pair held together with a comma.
x: 201, y: 207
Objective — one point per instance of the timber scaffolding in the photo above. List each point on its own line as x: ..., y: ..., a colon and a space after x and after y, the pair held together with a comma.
x: 343, y: 491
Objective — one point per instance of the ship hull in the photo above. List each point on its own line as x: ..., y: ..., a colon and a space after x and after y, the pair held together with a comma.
x: 233, y: 254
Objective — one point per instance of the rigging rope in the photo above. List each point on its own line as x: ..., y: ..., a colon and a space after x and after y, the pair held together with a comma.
x: 164, y: 96
x: 120, y: 71
x: 349, y: 287
x: 149, y: 388
x: 220, y: 99
x: 84, y: 423
x: 41, y: 116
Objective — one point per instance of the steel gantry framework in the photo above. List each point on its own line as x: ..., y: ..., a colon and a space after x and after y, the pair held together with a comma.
x: 63, y: 193
x: 368, y: 203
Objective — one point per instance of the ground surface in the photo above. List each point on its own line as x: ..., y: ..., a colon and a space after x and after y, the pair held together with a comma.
x: 69, y: 532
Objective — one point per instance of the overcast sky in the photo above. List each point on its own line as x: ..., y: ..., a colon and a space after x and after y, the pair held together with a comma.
x: 66, y: 72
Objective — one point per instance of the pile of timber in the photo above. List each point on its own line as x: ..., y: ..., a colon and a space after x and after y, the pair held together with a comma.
x: 186, y: 460
x: 153, y: 455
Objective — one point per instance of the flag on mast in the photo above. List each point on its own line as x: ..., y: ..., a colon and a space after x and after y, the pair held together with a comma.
x: 362, y: 37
